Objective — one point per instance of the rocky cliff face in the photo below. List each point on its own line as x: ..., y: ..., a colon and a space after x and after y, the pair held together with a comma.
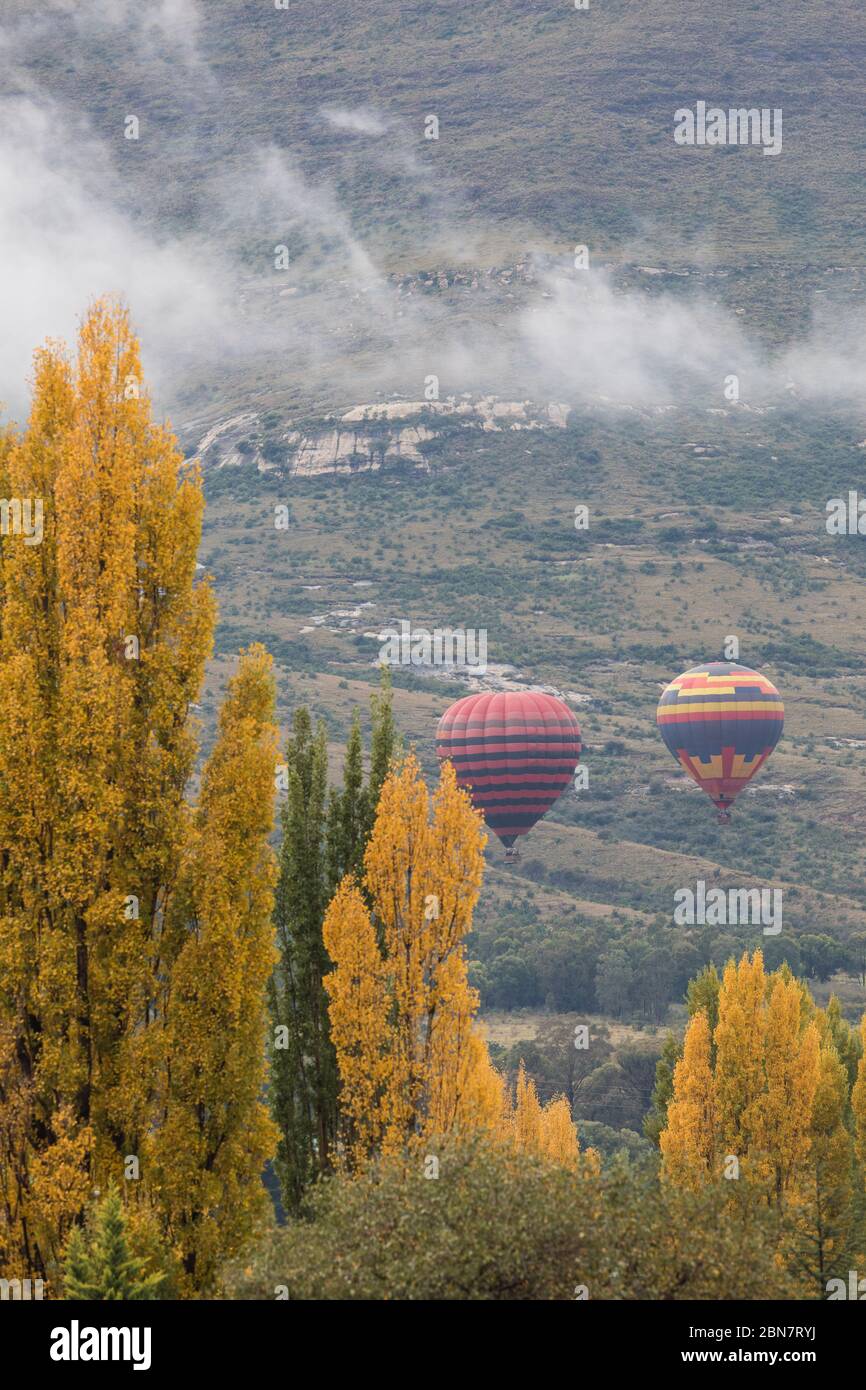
x: 365, y: 437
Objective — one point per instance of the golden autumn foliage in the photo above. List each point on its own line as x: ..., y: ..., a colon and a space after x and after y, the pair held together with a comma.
x: 485, y: 1105
x: 824, y: 1213
x: 740, y: 1038
x: 546, y: 1131
x: 773, y: 1097
x: 783, y: 1116
x: 558, y: 1135
x: 858, y: 1101
x: 412, y: 1061
x: 769, y: 1088
x: 215, y: 1134
x: 688, y: 1144
x: 400, y: 1003
x: 360, y: 1029
x: 106, y: 880
x: 527, y: 1114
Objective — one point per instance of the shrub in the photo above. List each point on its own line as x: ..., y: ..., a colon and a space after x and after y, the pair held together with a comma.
x: 494, y: 1225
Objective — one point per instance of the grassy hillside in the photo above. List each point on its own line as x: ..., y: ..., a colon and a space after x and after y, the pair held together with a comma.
x: 554, y: 123
x: 692, y: 538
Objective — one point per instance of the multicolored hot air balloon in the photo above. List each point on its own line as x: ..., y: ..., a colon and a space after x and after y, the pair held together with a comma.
x: 514, y: 751
x: 721, y: 722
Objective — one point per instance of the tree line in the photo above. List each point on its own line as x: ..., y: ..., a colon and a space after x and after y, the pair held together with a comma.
x: 180, y: 1005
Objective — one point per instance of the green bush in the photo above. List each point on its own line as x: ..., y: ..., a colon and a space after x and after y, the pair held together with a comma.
x: 494, y: 1225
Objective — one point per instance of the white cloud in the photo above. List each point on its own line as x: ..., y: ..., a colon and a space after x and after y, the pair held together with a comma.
x: 360, y: 122
x: 589, y: 340
x: 71, y: 229
x: 64, y: 240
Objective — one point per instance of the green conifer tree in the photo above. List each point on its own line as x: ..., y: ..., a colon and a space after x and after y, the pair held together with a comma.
x: 657, y: 1117
x: 303, y: 1065
x: 384, y: 745
x: 99, y: 1264
x: 347, y: 813
x: 702, y: 993
x: 324, y: 838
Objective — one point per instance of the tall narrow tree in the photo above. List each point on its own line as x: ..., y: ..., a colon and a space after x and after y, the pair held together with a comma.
x: 689, y: 1142
x: 103, y: 638
x: 402, y: 1009
x: 781, y: 1138
x: 104, y: 634
x: 215, y: 1135
x: 303, y: 1066
x: 774, y: 1095
x: 824, y: 1215
x: 348, y: 812
x: 324, y: 838
x: 858, y: 1102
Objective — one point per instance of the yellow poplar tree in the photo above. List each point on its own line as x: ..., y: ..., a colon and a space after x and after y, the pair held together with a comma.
x: 527, y: 1114
x: 400, y: 1003
x: 740, y: 1045
x: 412, y: 1061
x: 688, y: 1145
x: 547, y: 1131
x: 558, y: 1138
x: 358, y: 992
x: 216, y: 1134
x: 858, y: 1102
x: 104, y: 634
x: 783, y: 1114
x: 772, y: 1095
x: 484, y: 1102
x: 824, y: 1214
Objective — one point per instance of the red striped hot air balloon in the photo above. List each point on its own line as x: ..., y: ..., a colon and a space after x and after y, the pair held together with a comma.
x: 515, y: 753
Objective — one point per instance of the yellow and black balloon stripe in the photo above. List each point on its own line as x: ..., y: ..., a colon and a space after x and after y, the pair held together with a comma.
x: 721, y: 722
